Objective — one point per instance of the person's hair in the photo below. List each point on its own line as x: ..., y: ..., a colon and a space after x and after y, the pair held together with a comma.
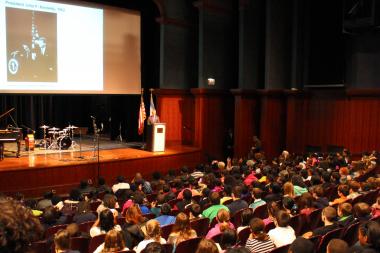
x: 228, y: 238
x: 187, y: 194
x: 326, y: 176
x: 154, y: 247
x: 330, y: 213
x: 273, y: 207
x: 114, y: 241
x: 223, y: 218
x: 257, y: 193
x: 371, y: 230
x: 289, y: 204
x: 282, y: 218
x: 297, y: 180
x: 362, y: 210
x: 215, y: 198
x: 207, y: 246
x: 241, y: 249
x: 182, y: 226
x: 305, y: 201
x: 18, y: 227
x: 257, y: 227
x: 318, y: 190
x: 288, y: 189
x: 237, y: 191
x: 344, y: 189
x: 304, y: 173
x: 166, y: 209
x: 50, y: 215
x: 75, y: 195
x: 62, y: 240
x: 120, y: 179
x: 337, y: 246
x: 354, y: 185
x: 134, y: 215
x: 153, y: 230
x: 345, y: 208
x: 301, y: 245
x: 275, y: 187
x: 246, y: 216
x: 195, y: 210
x: 109, y: 201
x: 106, y: 220
x: 83, y: 207
x: 138, y: 198
x: 73, y: 230
x: 101, y: 181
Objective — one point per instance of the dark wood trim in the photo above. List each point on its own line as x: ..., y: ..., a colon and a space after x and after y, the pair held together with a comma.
x: 364, y: 92
x: 272, y: 92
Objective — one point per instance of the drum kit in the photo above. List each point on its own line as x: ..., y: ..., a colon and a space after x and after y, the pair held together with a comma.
x: 54, y: 139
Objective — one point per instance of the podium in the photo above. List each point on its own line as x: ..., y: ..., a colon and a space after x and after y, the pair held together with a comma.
x: 156, y: 137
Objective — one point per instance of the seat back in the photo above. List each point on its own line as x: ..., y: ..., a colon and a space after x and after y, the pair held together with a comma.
x: 39, y: 247
x: 327, y: 237
x: 168, y: 248
x: 54, y: 229
x: 243, y: 236
x: 296, y: 222
x: 86, y: 226
x: 79, y: 243
x: 200, y: 226
x: 188, y: 246
x: 350, y: 234
x: 166, y: 230
x: 282, y: 249
x: 95, y: 242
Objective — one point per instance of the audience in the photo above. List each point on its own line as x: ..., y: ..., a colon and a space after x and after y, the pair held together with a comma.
x: 258, y: 241
x: 329, y: 216
x: 215, y: 207
x: 134, y: 222
x: 237, y: 203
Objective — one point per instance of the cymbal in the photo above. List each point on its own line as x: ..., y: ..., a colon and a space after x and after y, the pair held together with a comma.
x: 72, y: 127
x: 44, y: 127
x: 54, y: 129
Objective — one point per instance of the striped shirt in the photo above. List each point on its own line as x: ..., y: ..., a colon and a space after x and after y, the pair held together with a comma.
x: 257, y: 246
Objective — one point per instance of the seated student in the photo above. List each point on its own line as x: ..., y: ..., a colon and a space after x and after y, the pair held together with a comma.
x: 223, y: 218
x: 109, y: 202
x: 354, y: 189
x: 52, y: 217
x: 237, y: 203
x: 369, y: 234
x: 283, y: 234
x: 156, y: 205
x: 275, y: 193
x: 376, y: 208
x: 165, y: 218
x: 207, y: 246
x: 362, y: 212
x: 132, y: 229
x: 257, y: 194
x: 290, y: 206
x: 227, y: 192
x: 185, y: 202
x: 329, y: 219
x: 84, y: 213
x: 345, y: 217
x: 195, y: 212
x: 138, y: 198
x: 62, y: 242
x: 105, y: 222
x: 319, y: 200
x: 301, y: 245
x: 299, y: 185
x: 120, y: 184
x: 228, y: 240
x: 258, y: 241
x: 305, y: 204
x: 343, y: 191
x: 246, y: 217
x: 288, y: 190
x: 337, y: 246
x: 215, y: 207
x: 181, y: 230
x: 153, y: 234
x: 113, y: 242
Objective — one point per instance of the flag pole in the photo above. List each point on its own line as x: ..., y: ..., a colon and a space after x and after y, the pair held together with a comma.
x: 143, y: 134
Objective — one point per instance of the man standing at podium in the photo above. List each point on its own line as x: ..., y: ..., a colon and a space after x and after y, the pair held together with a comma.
x: 153, y: 118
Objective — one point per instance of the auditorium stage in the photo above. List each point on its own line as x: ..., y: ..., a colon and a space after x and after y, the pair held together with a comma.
x: 37, y: 173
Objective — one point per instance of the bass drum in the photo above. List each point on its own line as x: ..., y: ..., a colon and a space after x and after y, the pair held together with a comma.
x: 64, y: 142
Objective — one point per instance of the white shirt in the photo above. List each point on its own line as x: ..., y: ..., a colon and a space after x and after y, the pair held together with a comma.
x: 94, y: 231
x: 101, y: 247
x: 281, y: 236
x: 142, y: 245
x: 119, y: 186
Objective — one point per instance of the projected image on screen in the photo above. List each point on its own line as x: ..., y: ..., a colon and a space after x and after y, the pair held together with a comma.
x: 31, y: 45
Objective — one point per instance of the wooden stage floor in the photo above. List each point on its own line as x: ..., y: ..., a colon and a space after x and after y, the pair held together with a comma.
x: 34, y: 174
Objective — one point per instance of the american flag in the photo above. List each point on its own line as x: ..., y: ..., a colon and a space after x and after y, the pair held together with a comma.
x: 142, y: 116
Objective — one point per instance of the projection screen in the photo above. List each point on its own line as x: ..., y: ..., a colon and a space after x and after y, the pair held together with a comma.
x: 55, y: 47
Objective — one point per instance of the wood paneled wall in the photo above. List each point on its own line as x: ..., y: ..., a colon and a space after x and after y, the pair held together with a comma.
x: 283, y: 119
